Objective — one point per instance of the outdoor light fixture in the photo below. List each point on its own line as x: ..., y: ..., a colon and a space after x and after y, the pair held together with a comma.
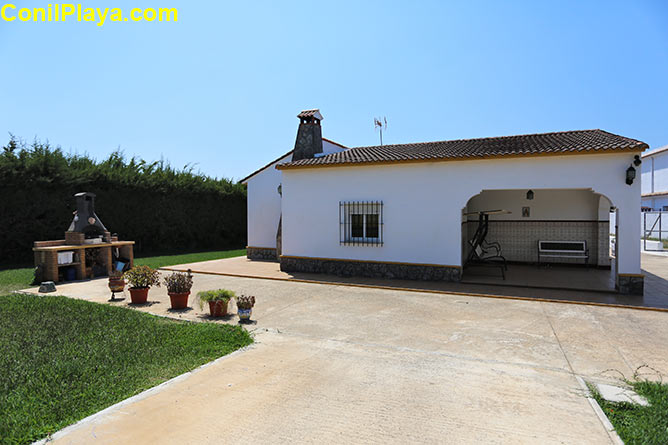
x: 631, y: 171
x: 630, y: 175
x: 530, y: 195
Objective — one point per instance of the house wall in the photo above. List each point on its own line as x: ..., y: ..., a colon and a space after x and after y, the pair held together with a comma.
x: 423, y: 203
x: 655, y: 180
x: 554, y: 215
x: 264, y: 202
x: 655, y: 173
x: 264, y: 206
x: 646, y: 174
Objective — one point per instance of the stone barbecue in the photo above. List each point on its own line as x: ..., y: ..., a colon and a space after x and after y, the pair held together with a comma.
x: 88, y: 250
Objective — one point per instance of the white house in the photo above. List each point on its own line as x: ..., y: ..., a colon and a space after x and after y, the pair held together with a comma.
x: 655, y: 179
x: 264, y: 194
x: 411, y: 211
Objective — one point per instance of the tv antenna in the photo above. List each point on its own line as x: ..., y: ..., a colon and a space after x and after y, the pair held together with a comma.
x: 380, y: 125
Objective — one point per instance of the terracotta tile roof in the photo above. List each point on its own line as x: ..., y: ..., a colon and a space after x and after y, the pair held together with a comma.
x: 310, y: 113
x: 566, y: 142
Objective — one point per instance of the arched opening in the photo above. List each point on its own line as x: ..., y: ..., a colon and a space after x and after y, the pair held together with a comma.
x: 561, y: 238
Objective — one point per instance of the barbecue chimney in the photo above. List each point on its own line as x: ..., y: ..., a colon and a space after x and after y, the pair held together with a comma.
x: 86, y: 224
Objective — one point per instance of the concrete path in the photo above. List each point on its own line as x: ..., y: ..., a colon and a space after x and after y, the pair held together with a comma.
x: 338, y: 364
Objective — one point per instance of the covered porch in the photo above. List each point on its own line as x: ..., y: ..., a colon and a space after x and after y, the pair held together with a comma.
x: 540, y: 238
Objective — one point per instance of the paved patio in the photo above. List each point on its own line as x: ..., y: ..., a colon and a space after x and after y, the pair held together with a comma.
x: 347, y: 364
x: 549, y: 283
x: 546, y: 276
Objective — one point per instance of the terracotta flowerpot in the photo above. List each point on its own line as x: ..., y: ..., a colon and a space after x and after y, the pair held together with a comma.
x: 116, y: 284
x: 139, y: 295
x: 218, y: 308
x: 179, y: 301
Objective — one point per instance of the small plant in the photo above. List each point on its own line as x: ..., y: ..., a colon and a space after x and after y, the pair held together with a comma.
x: 115, y: 274
x: 245, y: 302
x: 179, y: 282
x: 142, y: 277
x: 224, y: 295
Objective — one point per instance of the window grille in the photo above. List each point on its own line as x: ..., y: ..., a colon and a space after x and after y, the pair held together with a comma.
x: 361, y: 223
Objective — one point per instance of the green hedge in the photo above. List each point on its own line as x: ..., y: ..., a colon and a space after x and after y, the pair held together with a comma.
x: 164, y: 210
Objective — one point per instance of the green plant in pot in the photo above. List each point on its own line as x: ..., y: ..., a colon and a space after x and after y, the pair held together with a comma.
x: 141, y: 278
x: 217, y: 300
x: 245, y: 305
x: 178, y: 288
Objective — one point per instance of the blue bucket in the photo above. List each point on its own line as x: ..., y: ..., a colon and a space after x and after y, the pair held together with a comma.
x: 70, y: 274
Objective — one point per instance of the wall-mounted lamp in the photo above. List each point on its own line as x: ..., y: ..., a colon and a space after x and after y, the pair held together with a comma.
x: 631, y: 171
x: 530, y: 195
x: 630, y: 175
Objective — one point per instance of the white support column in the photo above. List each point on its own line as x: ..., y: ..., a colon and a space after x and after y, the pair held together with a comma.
x: 629, y: 274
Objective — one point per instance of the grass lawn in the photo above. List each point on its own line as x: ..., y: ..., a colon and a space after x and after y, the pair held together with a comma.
x: 16, y: 279
x: 65, y: 359
x: 640, y: 424
x: 171, y: 260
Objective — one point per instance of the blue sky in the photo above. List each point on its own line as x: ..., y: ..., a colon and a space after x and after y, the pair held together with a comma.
x: 220, y: 88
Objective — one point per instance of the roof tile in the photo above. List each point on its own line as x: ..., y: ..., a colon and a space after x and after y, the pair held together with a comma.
x: 577, y: 142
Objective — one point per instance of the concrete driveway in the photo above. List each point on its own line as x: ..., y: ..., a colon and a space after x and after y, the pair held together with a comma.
x: 338, y: 364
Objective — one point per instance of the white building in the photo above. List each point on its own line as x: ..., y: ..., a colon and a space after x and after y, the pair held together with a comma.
x: 411, y: 211
x: 264, y: 194
x: 655, y: 179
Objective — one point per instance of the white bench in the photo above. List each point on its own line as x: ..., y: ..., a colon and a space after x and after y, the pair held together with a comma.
x: 563, y: 249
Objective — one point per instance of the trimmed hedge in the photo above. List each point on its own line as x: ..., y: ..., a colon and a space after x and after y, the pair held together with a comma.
x: 162, y: 209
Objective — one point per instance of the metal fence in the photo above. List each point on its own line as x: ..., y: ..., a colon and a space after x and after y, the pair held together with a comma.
x: 655, y: 225
x: 654, y: 230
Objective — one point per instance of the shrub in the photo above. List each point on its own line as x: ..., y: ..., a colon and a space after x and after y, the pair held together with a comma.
x: 142, y: 276
x: 245, y: 301
x: 164, y: 210
x: 224, y: 295
x: 179, y: 282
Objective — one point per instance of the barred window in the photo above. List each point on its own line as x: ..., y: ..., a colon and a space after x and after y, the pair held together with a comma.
x: 361, y: 223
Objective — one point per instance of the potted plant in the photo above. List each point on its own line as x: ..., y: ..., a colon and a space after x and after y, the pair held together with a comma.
x: 178, y: 288
x: 141, y: 278
x: 217, y: 300
x: 116, y: 282
x: 245, y: 305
